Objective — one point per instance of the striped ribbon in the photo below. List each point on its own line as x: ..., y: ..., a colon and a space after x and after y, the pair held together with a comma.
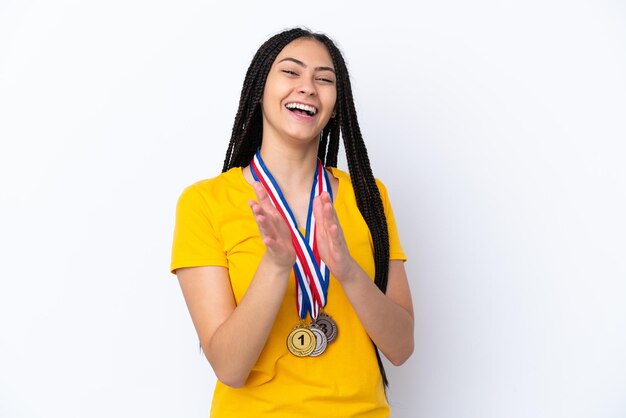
x: 312, y: 275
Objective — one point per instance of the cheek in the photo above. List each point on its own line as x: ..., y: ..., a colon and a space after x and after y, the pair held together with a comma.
x: 270, y: 101
x: 274, y: 93
x: 332, y: 101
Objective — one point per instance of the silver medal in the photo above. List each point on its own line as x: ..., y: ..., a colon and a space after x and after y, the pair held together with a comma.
x: 320, y: 340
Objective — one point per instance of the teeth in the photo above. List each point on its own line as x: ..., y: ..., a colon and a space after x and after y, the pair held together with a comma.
x: 310, y: 109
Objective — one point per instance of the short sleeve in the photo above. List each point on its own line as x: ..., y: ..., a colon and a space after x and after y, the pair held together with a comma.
x: 395, y: 248
x: 195, y: 240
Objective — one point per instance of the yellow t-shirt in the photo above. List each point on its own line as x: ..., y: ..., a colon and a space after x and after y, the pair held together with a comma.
x: 215, y: 227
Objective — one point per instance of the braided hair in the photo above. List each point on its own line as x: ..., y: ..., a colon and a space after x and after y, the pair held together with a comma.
x: 248, y: 131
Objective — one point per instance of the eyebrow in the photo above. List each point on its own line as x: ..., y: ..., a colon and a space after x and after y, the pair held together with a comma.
x: 300, y: 63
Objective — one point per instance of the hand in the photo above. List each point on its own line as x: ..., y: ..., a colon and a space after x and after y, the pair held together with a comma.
x: 331, y: 243
x: 274, y: 230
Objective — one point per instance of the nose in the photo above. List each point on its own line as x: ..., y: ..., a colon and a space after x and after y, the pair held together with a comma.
x: 307, y: 87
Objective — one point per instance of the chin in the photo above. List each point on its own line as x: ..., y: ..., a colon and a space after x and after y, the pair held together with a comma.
x: 304, y: 137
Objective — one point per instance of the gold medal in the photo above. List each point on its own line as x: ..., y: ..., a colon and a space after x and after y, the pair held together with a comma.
x: 301, y: 341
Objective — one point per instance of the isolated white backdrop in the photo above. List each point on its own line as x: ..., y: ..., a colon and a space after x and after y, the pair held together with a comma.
x: 498, y: 128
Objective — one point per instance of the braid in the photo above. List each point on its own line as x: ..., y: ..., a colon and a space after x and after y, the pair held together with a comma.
x: 248, y: 130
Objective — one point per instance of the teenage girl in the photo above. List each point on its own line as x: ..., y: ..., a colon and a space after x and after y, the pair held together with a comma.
x: 292, y: 269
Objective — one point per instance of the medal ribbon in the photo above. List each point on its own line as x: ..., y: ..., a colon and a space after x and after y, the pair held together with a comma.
x: 312, y: 274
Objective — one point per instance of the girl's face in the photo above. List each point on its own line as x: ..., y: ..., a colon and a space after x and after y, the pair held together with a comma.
x: 300, y: 92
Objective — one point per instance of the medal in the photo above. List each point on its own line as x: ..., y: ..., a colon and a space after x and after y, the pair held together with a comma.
x: 320, y: 341
x: 311, y: 273
x: 327, y: 325
x: 301, y: 341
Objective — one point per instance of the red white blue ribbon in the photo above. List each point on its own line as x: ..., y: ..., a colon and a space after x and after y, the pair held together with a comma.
x: 312, y: 275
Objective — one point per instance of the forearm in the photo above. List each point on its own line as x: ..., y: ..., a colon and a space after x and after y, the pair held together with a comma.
x: 387, y: 323
x: 237, y: 343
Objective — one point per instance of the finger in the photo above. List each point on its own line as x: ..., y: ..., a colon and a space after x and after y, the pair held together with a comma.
x: 266, y: 223
x: 257, y: 209
x: 325, y: 197
x: 325, y: 204
x: 263, y: 197
x: 321, y: 224
x: 259, y: 216
x: 270, y: 225
x: 318, y: 211
x: 336, y: 235
x: 332, y: 227
x: 328, y: 211
x: 328, y: 204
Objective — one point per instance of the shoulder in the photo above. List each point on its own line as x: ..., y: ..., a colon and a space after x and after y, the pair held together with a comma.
x: 208, y: 188
x: 214, y: 194
x: 339, y: 174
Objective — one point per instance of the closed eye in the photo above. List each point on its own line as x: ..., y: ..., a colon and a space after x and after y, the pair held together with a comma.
x: 289, y: 72
x: 326, y: 80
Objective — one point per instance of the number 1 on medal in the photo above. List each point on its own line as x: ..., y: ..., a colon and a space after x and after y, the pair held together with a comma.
x: 301, y: 338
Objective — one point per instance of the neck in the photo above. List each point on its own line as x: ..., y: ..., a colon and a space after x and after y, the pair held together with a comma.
x: 291, y: 167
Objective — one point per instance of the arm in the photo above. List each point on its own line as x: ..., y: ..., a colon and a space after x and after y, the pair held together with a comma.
x: 387, y: 318
x: 232, y: 336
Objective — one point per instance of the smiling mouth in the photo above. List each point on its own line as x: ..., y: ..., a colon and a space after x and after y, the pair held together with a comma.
x: 301, y: 108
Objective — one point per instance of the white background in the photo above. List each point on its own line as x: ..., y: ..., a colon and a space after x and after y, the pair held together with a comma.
x: 498, y: 127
